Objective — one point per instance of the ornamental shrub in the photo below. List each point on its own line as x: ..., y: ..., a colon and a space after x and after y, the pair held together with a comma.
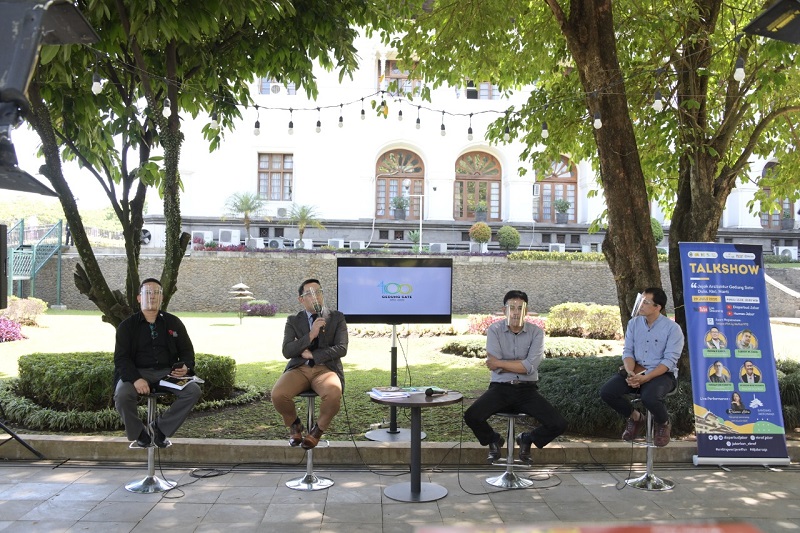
x: 24, y: 311
x: 85, y: 381
x: 658, y: 230
x: 480, y: 232
x: 553, y: 347
x: 567, y: 319
x: 259, y: 308
x: 10, y: 330
x: 508, y: 238
x: 603, y: 322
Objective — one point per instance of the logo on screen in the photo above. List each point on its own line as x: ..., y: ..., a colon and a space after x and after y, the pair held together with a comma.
x: 395, y: 290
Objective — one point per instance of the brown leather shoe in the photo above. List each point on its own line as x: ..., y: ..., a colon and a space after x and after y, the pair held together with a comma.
x: 661, y: 434
x: 633, y: 428
x: 296, y: 433
x: 312, y: 438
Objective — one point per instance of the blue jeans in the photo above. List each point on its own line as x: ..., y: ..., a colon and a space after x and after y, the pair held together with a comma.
x: 652, y: 393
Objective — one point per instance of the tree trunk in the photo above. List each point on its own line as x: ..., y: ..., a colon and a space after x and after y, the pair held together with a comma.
x: 629, y: 246
x: 88, y: 277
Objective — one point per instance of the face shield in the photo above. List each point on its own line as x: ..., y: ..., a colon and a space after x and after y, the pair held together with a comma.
x: 516, y: 311
x: 637, y: 305
x: 150, y: 298
x: 316, y: 299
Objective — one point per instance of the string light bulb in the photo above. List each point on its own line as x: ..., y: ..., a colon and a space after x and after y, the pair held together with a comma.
x: 418, y: 123
x: 506, y: 134
x: 214, y: 121
x: 291, y: 123
x: 598, y: 122
x: 658, y: 102
x: 166, y: 111
x: 400, y: 116
x: 443, y: 131
x: 738, y: 74
x: 97, y: 83
x: 257, y: 128
x: 319, y: 122
x: 545, y: 131
x: 363, y: 113
x: 469, y: 131
x: 341, y: 118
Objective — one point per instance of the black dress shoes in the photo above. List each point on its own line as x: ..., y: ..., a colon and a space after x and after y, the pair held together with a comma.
x: 296, y: 433
x: 524, y: 447
x: 159, y: 438
x: 495, y: 449
x: 144, y: 440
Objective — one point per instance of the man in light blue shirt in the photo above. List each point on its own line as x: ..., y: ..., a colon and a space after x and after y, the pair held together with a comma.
x: 653, y: 344
x: 514, y: 349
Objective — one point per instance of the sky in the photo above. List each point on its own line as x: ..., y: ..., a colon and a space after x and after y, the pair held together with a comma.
x: 88, y: 193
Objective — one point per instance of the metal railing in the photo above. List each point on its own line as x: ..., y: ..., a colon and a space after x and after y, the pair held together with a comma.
x: 26, y: 260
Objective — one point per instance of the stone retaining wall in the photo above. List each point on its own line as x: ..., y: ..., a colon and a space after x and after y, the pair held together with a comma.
x: 479, y: 282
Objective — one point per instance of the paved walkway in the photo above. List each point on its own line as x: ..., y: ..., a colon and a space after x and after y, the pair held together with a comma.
x: 54, y: 497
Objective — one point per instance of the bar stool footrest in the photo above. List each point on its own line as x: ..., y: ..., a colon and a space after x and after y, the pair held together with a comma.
x: 649, y: 481
x: 150, y: 485
x: 509, y: 480
x: 310, y: 482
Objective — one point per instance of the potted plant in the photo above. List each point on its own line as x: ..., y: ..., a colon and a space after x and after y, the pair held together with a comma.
x: 787, y: 222
x: 562, y: 210
x: 400, y: 204
x: 481, y: 233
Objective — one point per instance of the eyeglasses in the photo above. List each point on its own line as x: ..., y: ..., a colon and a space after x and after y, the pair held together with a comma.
x: 153, y: 293
x: 648, y: 302
x: 153, y: 332
x: 313, y: 293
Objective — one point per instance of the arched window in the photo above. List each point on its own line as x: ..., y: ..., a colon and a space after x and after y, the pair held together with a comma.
x: 787, y: 208
x: 392, y: 168
x: 477, y: 186
x: 560, y: 184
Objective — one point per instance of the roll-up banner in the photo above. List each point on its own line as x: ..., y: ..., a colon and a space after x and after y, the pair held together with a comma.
x: 737, y: 406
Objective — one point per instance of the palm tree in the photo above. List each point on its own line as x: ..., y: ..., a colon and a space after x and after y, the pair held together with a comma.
x: 304, y: 216
x: 246, y: 204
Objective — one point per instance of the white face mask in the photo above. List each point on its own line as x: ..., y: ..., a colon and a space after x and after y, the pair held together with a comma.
x: 150, y: 298
x: 515, y: 314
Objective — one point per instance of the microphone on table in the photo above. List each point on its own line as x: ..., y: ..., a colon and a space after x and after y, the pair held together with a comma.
x: 434, y: 391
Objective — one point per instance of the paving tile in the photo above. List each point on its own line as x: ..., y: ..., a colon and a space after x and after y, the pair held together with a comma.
x: 108, y: 511
x: 86, y: 491
x: 241, y: 513
x: 309, y: 513
x: 341, y: 527
x: 177, y: 513
x: 102, y: 527
x: 341, y: 495
x: 64, y: 510
x: 38, y: 526
x: 640, y: 510
x: 513, y: 513
x: 427, y: 512
x: 470, y: 513
x: 262, y: 495
x: 32, y: 491
x: 366, y: 513
x: 16, y: 509
x: 230, y: 528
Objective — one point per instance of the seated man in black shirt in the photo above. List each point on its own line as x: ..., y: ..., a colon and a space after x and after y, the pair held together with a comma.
x: 151, y: 344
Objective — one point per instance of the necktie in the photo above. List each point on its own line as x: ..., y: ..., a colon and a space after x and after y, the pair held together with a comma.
x: 315, y: 343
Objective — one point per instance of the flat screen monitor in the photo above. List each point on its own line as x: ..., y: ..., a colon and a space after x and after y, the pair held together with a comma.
x: 395, y: 290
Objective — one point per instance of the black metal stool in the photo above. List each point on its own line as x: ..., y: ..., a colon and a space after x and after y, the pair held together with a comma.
x: 310, y: 481
x: 151, y: 483
x: 509, y: 479
x: 648, y: 480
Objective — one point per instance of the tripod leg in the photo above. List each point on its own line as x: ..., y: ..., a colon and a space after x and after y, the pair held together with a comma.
x: 18, y: 439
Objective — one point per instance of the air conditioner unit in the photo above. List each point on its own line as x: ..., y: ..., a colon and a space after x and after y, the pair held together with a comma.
x: 146, y: 237
x: 276, y: 88
x: 586, y: 248
x: 230, y: 237
x: 789, y: 252
x: 305, y: 244
x: 357, y: 245
x: 336, y: 243
x: 438, y: 247
x: 207, y: 236
x: 282, y: 212
x: 556, y: 247
x: 275, y: 243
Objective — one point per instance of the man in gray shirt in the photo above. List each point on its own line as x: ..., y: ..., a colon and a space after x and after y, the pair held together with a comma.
x: 514, y: 349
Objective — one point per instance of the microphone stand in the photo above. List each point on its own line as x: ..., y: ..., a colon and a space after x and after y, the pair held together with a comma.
x: 393, y: 434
